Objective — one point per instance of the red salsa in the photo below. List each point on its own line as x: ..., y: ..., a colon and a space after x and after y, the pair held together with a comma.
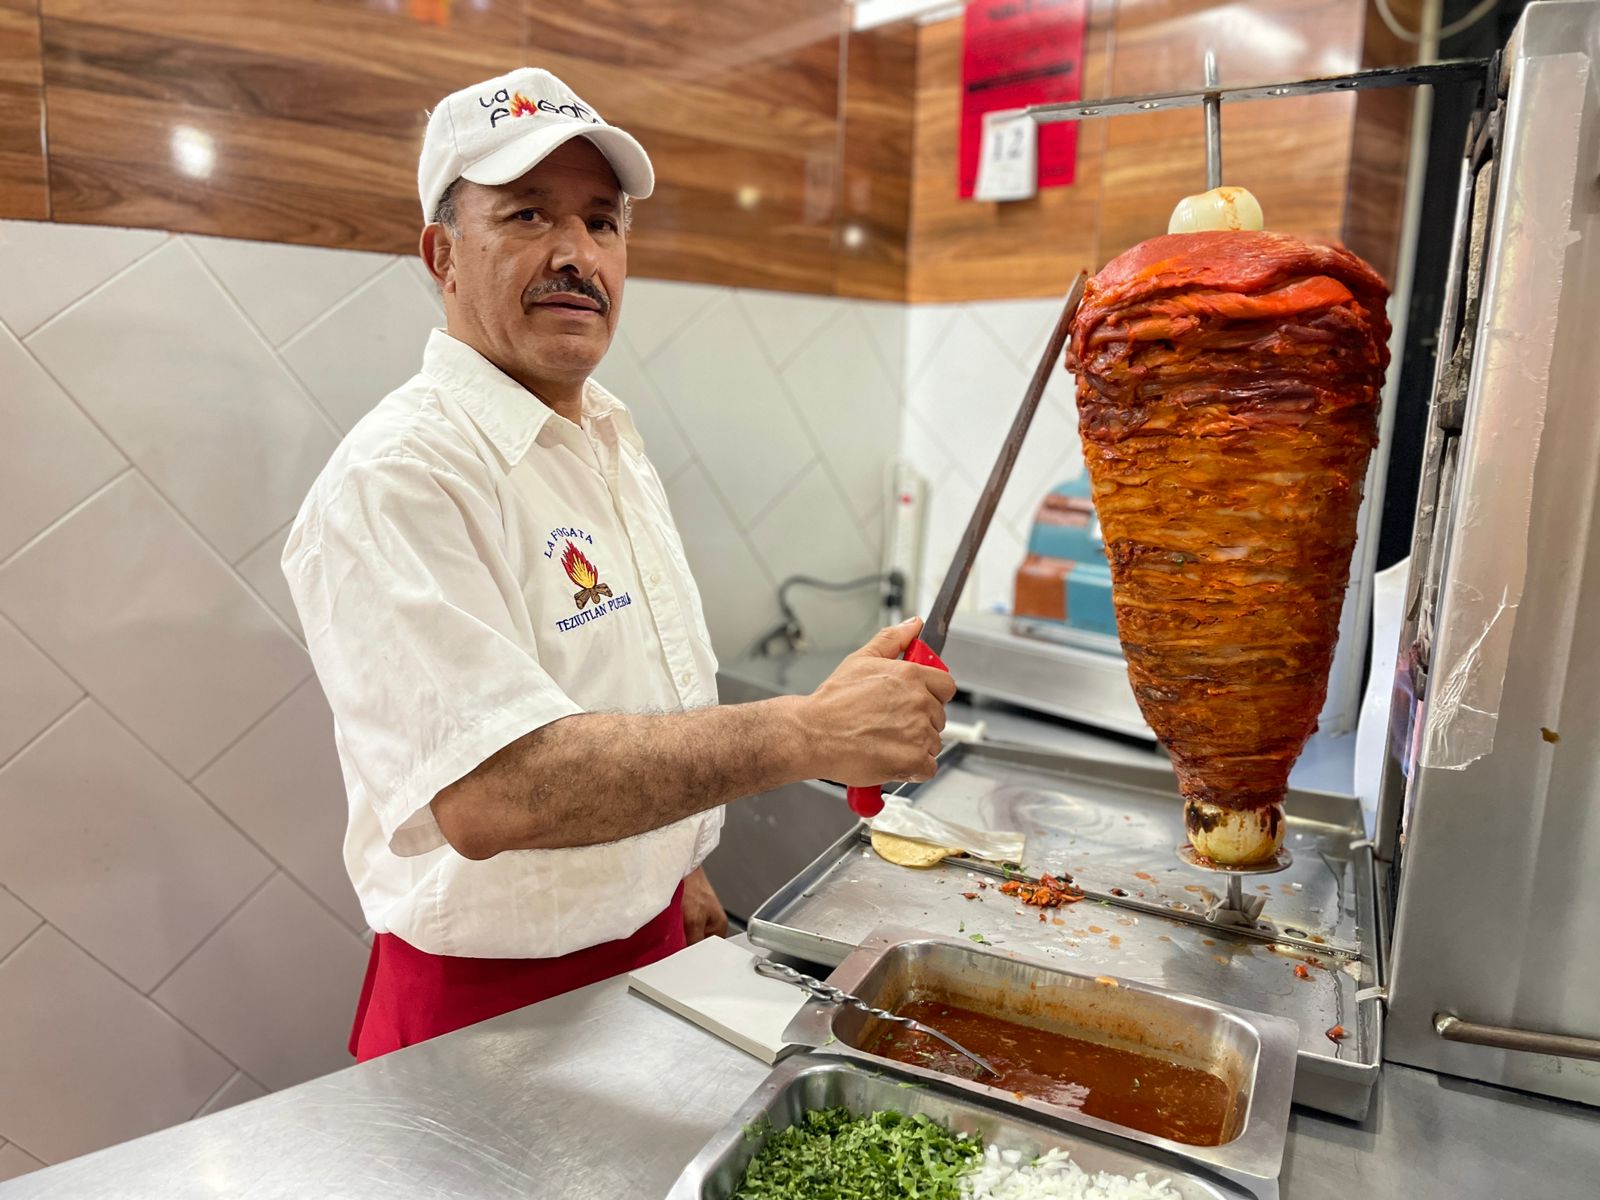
x: 1137, y: 1090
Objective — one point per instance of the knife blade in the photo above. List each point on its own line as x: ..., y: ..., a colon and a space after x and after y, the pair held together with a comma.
x: 868, y: 801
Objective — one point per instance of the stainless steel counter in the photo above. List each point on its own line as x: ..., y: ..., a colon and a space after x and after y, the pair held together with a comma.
x: 600, y: 1094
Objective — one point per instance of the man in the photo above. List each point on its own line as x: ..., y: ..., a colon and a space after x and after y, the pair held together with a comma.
x: 498, y: 608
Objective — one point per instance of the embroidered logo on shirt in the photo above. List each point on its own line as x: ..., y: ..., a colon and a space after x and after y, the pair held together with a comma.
x: 583, y: 573
x: 593, y: 598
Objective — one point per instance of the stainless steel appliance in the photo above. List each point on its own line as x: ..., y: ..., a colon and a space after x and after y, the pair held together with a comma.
x: 1489, y: 827
x: 1474, y: 949
x: 1310, y: 954
x: 810, y: 1082
x: 1252, y: 1051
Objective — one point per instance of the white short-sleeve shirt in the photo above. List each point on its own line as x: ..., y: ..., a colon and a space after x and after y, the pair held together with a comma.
x: 468, y: 567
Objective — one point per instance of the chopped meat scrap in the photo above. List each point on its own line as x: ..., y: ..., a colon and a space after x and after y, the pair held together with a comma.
x: 1049, y: 892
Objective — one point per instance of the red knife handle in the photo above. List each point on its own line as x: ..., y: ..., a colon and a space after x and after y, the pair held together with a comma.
x: 868, y: 801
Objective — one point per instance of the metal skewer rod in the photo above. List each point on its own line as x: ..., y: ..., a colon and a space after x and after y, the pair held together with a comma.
x: 1213, y: 103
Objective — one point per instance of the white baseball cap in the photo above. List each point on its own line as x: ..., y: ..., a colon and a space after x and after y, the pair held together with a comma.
x: 495, y: 131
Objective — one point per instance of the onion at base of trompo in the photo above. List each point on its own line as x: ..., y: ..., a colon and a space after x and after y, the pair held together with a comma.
x: 1232, y: 837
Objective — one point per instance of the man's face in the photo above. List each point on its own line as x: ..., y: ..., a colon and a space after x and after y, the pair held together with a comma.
x: 533, y: 275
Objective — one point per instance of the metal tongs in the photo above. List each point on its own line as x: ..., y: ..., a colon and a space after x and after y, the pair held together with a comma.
x: 829, y: 994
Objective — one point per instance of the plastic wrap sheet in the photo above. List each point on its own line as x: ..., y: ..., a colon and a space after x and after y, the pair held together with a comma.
x: 1505, y: 415
x: 903, y: 819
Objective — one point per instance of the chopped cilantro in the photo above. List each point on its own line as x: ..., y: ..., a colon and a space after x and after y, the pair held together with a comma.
x: 961, y: 928
x: 834, y: 1155
x: 979, y: 938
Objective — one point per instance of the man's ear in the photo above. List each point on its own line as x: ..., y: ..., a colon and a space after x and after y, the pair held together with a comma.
x: 438, y: 247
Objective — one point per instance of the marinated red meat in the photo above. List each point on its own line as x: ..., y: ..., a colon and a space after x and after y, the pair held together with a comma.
x: 1227, y: 400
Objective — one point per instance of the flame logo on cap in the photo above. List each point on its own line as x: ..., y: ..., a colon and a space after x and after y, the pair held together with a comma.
x: 583, y: 573
x: 521, y: 106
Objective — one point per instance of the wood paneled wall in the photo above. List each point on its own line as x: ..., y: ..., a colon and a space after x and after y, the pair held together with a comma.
x: 876, y: 140
x: 299, y: 120
x: 791, y: 153
x: 24, y: 191
x: 738, y: 104
x: 1293, y: 154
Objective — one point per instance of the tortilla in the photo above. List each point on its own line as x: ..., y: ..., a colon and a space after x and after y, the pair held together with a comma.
x: 904, y: 852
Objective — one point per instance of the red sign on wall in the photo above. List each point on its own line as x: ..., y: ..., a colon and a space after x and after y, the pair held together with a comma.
x: 1016, y: 53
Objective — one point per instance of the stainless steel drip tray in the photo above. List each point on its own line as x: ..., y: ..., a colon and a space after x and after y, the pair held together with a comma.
x: 1125, y: 827
x: 812, y: 1081
x: 1252, y: 1053
x: 1117, y: 825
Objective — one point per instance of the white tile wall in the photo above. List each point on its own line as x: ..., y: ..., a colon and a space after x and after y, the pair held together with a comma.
x: 176, y: 930
x: 967, y: 366
x: 366, y: 345
x: 190, y: 391
x: 284, y: 288
x: 89, y: 1060
x: 14, y: 1161
x: 48, y: 267
x: 17, y: 921
x: 732, y: 402
x: 112, y: 848
x: 33, y: 692
x: 754, y: 404
x: 54, y: 455
x: 237, y: 1090
x: 280, y: 1007
x: 274, y: 783
x: 127, y: 599
x: 261, y: 569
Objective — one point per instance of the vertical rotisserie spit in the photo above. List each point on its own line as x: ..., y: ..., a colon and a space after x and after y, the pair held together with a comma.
x: 1228, y: 389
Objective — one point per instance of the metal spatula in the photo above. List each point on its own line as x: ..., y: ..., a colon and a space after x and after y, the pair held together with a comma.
x: 829, y: 994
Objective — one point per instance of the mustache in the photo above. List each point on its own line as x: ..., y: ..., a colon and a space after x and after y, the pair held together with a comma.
x: 572, y: 285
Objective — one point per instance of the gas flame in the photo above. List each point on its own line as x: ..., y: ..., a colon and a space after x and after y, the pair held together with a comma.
x: 521, y: 106
x: 578, y: 568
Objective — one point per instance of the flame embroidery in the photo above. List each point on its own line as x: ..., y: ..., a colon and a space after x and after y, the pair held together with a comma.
x: 521, y: 106
x: 583, y: 573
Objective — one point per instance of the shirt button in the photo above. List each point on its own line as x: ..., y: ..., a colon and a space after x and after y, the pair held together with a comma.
x: 655, y: 578
x: 686, y: 679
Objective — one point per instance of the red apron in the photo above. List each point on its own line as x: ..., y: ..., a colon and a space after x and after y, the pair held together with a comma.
x: 410, y: 996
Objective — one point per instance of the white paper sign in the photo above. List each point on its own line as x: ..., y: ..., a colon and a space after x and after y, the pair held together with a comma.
x: 1008, y: 160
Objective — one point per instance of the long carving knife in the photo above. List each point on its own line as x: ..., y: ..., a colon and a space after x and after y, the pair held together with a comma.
x: 868, y: 801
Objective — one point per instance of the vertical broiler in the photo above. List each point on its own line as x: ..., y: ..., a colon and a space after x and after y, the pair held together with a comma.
x: 1461, y: 937
x: 1488, y: 849
x: 1489, y: 828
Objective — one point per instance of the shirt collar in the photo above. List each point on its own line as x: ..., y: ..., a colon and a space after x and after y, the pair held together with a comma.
x: 510, y: 416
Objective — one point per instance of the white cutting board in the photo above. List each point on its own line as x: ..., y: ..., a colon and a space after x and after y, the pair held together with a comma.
x: 714, y: 984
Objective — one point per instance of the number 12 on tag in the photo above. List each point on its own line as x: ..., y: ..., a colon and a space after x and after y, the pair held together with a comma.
x: 1008, y: 160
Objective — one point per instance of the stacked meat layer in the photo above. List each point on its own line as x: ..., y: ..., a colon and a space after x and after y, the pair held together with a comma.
x: 1228, y: 395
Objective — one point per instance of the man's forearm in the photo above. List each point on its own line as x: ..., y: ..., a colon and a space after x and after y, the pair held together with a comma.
x: 598, y: 777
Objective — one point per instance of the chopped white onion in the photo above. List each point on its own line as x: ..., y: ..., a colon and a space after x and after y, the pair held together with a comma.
x: 1001, y: 1175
